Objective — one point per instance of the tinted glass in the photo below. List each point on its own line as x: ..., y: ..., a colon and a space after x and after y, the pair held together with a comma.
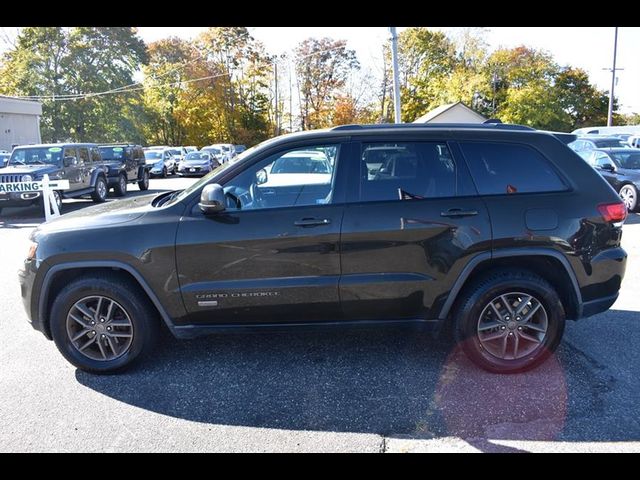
x: 264, y: 186
x: 153, y: 154
x: 630, y: 159
x: 113, y: 153
x: 84, y: 154
x: 95, y: 155
x: 510, y: 168
x: 197, y: 156
x: 609, y: 143
x: 406, y: 170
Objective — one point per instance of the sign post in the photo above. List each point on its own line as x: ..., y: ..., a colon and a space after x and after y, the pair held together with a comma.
x: 46, y: 186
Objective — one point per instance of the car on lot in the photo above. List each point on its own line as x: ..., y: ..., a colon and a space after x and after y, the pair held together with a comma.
x: 621, y: 168
x: 591, y: 142
x: 634, y: 141
x: 4, y: 158
x: 126, y: 164
x: 498, y: 232
x: 197, y: 164
x: 79, y: 163
x: 161, y: 161
x: 223, y: 152
x: 309, y: 167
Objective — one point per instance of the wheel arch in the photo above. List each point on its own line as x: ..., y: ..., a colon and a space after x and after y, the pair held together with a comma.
x: 58, y: 276
x: 547, y: 263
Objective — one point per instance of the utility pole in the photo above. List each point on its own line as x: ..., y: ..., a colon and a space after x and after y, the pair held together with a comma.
x: 613, y: 79
x: 396, y: 81
x: 290, y: 101
x: 276, y: 109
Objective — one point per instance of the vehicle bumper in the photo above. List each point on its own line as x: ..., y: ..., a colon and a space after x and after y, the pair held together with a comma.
x: 21, y: 199
x: 187, y: 173
x: 607, y: 270
x: 27, y: 279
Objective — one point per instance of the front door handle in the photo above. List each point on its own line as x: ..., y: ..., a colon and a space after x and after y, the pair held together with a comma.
x: 458, y: 212
x: 312, y: 222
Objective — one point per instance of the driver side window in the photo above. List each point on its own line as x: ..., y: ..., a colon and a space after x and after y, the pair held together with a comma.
x: 302, y: 176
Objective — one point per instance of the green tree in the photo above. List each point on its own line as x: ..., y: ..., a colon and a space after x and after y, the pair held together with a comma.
x: 323, y: 67
x: 64, y: 64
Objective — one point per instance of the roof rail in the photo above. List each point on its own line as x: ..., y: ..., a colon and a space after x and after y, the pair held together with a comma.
x: 418, y: 126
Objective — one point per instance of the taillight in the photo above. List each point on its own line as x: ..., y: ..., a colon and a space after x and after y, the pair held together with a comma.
x: 613, y: 212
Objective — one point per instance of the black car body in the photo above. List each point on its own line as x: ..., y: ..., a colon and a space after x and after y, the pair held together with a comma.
x: 126, y: 164
x: 79, y: 163
x: 197, y: 164
x: 501, y: 231
x: 621, y: 168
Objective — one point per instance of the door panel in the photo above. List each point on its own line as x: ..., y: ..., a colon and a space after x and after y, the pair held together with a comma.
x: 401, y: 256
x: 271, y: 258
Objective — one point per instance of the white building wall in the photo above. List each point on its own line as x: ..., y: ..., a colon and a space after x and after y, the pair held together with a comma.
x: 456, y: 115
x: 18, y: 129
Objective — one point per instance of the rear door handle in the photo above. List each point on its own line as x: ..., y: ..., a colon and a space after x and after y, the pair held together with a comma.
x: 312, y: 222
x: 458, y: 212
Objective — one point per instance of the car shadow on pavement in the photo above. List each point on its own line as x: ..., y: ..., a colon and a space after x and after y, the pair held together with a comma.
x: 32, y: 216
x: 395, y: 383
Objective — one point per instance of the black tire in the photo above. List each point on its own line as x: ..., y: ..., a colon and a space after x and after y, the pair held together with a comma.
x: 58, y: 197
x: 629, y: 195
x: 143, y: 184
x: 128, y: 295
x: 0, y: 210
x: 472, y: 306
x: 100, y: 189
x: 120, y: 189
x: 164, y: 172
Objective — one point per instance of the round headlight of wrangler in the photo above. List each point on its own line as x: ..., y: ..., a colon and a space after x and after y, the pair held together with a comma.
x: 26, y: 178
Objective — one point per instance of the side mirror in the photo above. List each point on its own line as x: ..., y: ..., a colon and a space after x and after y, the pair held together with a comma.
x: 261, y: 176
x: 608, y: 167
x: 69, y: 161
x: 212, y: 199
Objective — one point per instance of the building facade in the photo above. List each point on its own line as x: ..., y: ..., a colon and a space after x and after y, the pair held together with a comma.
x: 19, y: 122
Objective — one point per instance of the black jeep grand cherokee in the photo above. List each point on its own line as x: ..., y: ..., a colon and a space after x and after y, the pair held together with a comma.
x: 501, y: 230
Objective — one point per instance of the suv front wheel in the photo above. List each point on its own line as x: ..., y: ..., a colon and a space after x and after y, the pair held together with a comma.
x: 103, y: 324
x: 509, y: 321
x: 99, y: 194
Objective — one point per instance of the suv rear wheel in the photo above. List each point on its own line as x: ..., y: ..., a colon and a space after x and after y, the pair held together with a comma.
x: 509, y: 321
x: 121, y: 187
x: 99, y: 194
x: 629, y: 195
x: 143, y: 184
x: 99, y: 326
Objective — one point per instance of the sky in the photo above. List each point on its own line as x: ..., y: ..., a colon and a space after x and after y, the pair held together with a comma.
x: 590, y: 48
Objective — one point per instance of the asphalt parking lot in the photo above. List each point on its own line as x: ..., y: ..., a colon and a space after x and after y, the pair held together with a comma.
x: 375, y: 391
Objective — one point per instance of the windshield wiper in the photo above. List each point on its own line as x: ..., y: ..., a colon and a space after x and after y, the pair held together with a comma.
x: 17, y: 161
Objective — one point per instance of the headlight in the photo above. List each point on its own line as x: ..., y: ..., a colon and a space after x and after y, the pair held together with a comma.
x: 33, y: 247
x: 26, y: 178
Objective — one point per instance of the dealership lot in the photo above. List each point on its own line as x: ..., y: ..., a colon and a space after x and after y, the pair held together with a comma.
x: 333, y: 391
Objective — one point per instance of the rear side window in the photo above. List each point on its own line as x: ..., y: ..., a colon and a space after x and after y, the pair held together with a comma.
x: 406, y: 171
x: 499, y: 168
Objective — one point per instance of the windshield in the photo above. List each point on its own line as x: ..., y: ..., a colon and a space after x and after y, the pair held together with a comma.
x: 36, y: 156
x: 212, y: 150
x: 197, y: 156
x: 609, y: 143
x: 629, y: 160
x: 112, y: 153
x: 153, y: 155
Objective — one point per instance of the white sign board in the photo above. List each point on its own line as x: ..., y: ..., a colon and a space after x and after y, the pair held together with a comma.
x: 46, y: 186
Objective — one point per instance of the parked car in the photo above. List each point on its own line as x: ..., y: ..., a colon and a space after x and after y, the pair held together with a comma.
x: 80, y: 163
x: 126, y: 164
x: 197, y: 164
x: 592, y: 142
x: 297, y: 168
x: 621, y: 168
x: 499, y: 231
x: 223, y: 152
x: 634, y: 141
x: 162, y: 161
x: 4, y: 158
